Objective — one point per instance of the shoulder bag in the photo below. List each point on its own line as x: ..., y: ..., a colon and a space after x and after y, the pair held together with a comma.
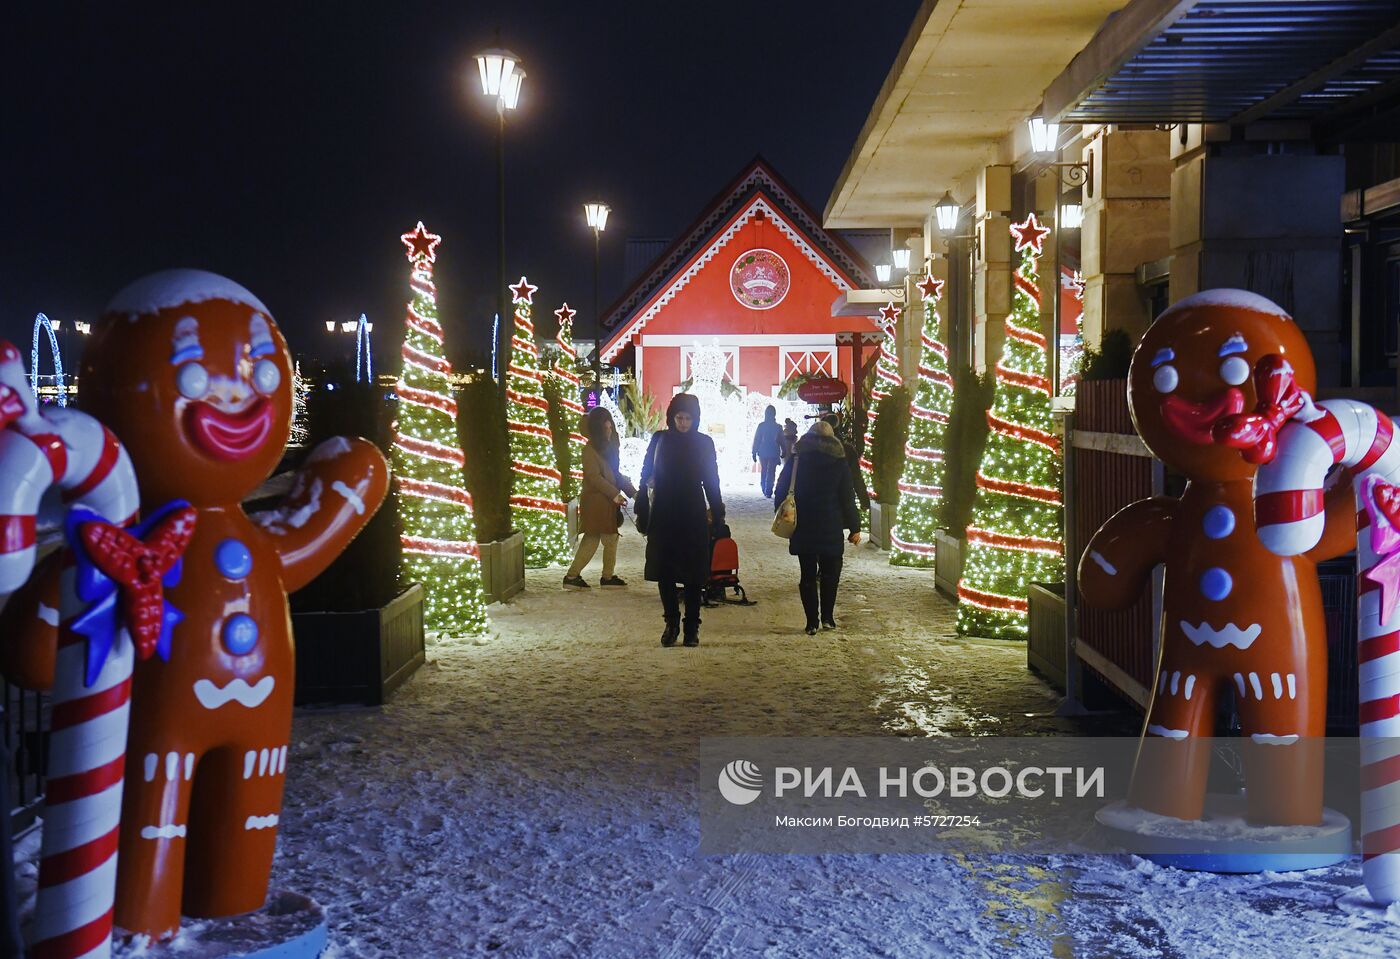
x: 785, y: 522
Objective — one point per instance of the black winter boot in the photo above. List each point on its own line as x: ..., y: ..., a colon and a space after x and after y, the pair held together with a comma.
x: 670, y: 633
x: 692, y: 633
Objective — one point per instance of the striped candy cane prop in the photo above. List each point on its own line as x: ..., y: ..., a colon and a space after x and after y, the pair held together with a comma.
x: 1298, y: 441
x: 68, y: 450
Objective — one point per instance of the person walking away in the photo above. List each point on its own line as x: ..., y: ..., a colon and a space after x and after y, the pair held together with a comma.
x: 768, y: 449
x: 789, y: 439
x: 681, y: 469
x: 827, y: 519
x: 600, y: 502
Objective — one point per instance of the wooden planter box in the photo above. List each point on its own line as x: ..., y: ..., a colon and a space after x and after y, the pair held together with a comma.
x: 503, y: 567
x: 358, y: 657
x: 1047, y: 644
x: 882, y: 518
x: 947, y: 565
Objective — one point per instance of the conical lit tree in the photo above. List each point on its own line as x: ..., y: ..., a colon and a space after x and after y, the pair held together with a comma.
x: 886, y: 378
x: 921, y: 485
x: 538, y: 511
x: 439, y: 535
x: 565, y: 367
x: 1015, y: 536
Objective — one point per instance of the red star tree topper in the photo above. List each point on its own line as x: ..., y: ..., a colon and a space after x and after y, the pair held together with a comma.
x: 930, y: 287
x: 421, y: 244
x: 523, y: 292
x: 889, y: 314
x: 1030, y: 235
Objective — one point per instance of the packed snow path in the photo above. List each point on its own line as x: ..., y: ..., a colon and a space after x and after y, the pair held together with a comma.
x: 535, y: 794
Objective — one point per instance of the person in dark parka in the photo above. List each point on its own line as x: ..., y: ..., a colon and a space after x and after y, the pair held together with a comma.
x: 681, y: 467
x: 826, y: 513
x: 768, y: 448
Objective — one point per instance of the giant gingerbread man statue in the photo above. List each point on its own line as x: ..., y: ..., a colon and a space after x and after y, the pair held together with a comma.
x: 1236, y: 618
x: 190, y: 372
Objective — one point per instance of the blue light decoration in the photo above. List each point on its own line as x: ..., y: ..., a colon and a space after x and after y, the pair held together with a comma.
x: 40, y: 320
x: 364, y: 355
x: 495, y: 340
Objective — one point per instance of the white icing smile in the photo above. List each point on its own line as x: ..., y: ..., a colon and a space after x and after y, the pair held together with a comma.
x: 1227, y: 635
x: 211, y: 696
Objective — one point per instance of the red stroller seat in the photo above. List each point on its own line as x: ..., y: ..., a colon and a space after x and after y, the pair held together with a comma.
x: 724, y: 571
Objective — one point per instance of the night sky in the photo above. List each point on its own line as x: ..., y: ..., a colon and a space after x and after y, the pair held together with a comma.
x: 288, y: 145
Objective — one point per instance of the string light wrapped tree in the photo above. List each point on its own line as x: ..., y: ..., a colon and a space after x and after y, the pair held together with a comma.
x: 921, y: 485
x: 1015, y: 535
x: 566, y: 367
x: 439, y: 532
x: 535, y: 487
x: 886, y: 378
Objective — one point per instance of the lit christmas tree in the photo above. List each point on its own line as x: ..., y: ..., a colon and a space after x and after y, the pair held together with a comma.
x: 1015, y: 537
x: 886, y: 378
x: 565, y: 368
x: 534, y: 498
x: 300, y: 389
x: 439, y: 535
x: 921, y: 486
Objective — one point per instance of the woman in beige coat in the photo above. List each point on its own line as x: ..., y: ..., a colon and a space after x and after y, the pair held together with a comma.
x: 605, y: 489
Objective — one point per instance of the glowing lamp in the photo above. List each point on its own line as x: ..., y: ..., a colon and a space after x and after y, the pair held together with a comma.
x: 597, y: 214
x: 1044, y: 136
x: 1071, y: 216
x: 883, y: 271
x: 496, y: 67
x: 510, y: 88
x: 330, y: 326
x: 349, y: 326
x: 83, y: 327
x: 55, y: 325
x: 946, y: 212
x: 901, y: 259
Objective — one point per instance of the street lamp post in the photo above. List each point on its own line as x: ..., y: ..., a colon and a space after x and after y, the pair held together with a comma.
x: 501, y: 78
x: 597, y: 215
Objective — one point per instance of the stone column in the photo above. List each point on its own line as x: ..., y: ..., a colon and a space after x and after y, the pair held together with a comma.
x: 1127, y: 216
x: 991, y: 273
x: 1259, y: 209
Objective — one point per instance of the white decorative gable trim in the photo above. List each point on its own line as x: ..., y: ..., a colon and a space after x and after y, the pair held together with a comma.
x: 756, y: 206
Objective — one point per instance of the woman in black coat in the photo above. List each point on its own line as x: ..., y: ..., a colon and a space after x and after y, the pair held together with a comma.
x: 826, y: 510
x: 681, y: 468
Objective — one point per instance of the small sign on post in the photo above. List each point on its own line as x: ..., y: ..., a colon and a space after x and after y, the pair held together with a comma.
x: 822, y: 390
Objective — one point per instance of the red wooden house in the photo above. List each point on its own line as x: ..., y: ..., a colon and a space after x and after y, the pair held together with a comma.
x: 756, y: 275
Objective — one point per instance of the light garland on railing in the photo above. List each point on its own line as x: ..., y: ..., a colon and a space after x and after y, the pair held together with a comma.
x: 535, y: 488
x: 439, y: 533
x: 921, y: 485
x: 1015, y: 536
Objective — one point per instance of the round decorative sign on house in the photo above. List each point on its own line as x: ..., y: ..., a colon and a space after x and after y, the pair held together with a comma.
x: 759, y: 279
x: 822, y: 390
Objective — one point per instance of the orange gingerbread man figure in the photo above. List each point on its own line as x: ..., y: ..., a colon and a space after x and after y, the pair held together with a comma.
x: 1235, y: 617
x: 191, y: 373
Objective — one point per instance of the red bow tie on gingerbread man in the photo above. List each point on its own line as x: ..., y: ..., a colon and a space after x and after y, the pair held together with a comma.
x: 137, y: 564
x: 1280, y: 399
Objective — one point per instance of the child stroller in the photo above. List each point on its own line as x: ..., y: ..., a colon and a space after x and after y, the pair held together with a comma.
x: 724, y: 571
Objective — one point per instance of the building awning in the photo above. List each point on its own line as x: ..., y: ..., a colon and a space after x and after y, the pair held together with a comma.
x: 1232, y: 61
x: 968, y: 72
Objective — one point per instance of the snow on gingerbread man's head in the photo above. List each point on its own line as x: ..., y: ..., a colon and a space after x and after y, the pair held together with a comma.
x: 189, y: 370
x: 1195, y: 367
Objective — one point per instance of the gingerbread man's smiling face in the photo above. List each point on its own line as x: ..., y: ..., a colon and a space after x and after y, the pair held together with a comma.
x: 1195, y: 366
x: 192, y: 374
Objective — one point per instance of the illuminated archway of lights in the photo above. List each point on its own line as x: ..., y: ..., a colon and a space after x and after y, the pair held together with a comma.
x: 42, y: 321
x: 364, y: 356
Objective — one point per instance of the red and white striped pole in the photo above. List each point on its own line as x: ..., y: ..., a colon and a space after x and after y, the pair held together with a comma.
x: 82, y: 804
x: 1298, y: 442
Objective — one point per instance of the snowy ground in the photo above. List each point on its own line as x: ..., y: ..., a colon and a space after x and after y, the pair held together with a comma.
x: 536, y: 795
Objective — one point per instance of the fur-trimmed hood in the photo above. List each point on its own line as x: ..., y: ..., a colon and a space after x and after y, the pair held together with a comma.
x: 816, y: 443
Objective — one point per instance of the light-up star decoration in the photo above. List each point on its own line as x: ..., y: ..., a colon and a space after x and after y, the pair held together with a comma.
x: 930, y: 287
x: 421, y: 244
x: 565, y: 315
x: 522, y: 292
x: 1030, y: 235
x: 889, y: 314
